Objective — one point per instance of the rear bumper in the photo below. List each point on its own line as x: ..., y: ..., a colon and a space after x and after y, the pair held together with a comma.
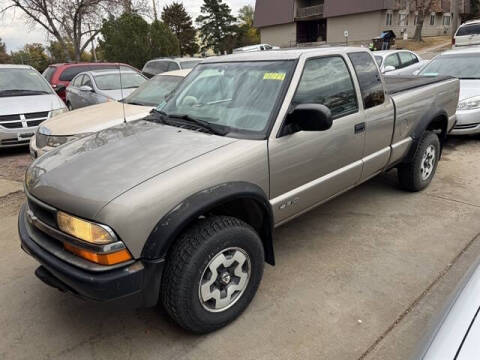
x: 137, y: 284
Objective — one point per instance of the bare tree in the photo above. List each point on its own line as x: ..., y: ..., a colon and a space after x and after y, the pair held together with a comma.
x: 75, y: 21
x: 423, y: 8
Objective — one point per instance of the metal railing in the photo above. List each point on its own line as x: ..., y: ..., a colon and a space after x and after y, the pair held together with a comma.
x: 303, y: 12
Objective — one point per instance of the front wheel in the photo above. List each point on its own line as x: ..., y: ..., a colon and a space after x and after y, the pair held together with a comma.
x: 212, y: 273
x: 418, y: 174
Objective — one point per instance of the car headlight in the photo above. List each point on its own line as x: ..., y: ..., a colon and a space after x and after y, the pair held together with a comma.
x: 469, y: 104
x: 54, y: 141
x: 58, y: 112
x: 85, y: 230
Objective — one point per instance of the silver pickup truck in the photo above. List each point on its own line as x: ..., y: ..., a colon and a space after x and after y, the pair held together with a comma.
x: 179, y: 207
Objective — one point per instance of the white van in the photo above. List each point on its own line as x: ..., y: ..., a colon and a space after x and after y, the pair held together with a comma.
x: 26, y: 100
x: 468, y: 34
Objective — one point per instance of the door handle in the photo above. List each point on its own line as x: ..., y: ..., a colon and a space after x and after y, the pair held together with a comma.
x: 359, y: 128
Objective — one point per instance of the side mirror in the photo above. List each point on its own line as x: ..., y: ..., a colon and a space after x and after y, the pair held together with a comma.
x: 308, y: 117
x: 60, y: 88
x: 86, y: 88
x: 389, y: 68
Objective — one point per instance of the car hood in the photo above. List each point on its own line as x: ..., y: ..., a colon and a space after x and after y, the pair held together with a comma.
x: 117, y: 94
x: 469, y: 88
x: 94, y: 118
x: 13, y: 105
x: 81, y: 177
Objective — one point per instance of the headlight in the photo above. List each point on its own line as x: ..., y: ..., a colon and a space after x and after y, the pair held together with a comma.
x: 85, y: 230
x: 55, y: 141
x: 57, y: 112
x: 469, y: 104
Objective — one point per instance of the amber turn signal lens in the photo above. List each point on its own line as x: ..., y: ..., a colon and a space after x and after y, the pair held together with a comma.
x: 102, y: 259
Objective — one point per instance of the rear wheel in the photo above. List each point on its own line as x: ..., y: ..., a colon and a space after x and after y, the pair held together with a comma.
x: 418, y: 174
x: 69, y: 106
x: 212, y: 273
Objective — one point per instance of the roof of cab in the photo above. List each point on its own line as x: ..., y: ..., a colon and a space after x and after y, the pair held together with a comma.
x: 467, y: 50
x: 181, y: 73
x: 282, y: 54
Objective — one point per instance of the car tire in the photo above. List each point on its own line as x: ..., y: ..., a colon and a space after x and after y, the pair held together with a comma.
x: 69, y: 106
x: 212, y: 273
x: 418, y: 174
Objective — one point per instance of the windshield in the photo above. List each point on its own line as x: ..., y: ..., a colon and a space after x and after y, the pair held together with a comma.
x: 379, y: 60
x: 22, y: 82
x: 112, y: 81
x: 462, y: 66
x: 154, y: 91
x: 240, y: 96
x: 468, y: 30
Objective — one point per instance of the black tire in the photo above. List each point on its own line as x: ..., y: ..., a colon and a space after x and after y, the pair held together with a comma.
x: 410, y: 174
x: 69, y: 106
x: 187, y: 265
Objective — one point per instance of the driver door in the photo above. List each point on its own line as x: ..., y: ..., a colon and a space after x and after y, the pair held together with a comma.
x: 307, y: 168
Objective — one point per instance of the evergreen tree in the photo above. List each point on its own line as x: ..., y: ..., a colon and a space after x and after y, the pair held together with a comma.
x: 4, y: 58
x: 162, y: 41
x: 33, y: 55
x: 217, y: 26
x: 180, y: 23
x: 247, y: 34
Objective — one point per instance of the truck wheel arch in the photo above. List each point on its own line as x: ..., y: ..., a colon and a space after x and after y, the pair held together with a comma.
x: 434, y: 121
x: 229, y: 199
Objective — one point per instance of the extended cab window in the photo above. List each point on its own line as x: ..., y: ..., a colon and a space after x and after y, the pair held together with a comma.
x: 328, y: 82
x: 369, y: 79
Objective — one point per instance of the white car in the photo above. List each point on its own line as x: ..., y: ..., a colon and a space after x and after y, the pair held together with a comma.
x: 399, y: 62
x: 78, y: 123
x: 258, y: 47
x: 463, y: 64
x: 468, y: 34
x: 26, y: 100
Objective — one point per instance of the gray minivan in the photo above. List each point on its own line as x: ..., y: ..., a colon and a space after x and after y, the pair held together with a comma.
x: 161, y: 65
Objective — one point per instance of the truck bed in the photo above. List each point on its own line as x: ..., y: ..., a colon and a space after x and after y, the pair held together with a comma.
x: 397, y: 84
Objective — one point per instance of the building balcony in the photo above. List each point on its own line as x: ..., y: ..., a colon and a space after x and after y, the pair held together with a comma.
x: 307, y: 12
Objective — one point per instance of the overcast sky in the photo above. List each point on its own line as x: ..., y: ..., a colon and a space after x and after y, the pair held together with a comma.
x: 16, y: 34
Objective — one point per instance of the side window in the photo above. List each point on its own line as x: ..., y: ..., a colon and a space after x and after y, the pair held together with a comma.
x: 327, y: 81
x: 407, y: 59
x: 369, y: 79
x: 160, y: 66
x: 77, y: 82
x: 173, y: 66
x: 392, y: 60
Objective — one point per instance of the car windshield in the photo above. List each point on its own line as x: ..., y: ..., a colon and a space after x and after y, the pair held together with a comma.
x: 239, y: 96
x: 379, y: 60
x: 112, y: 81
x: 189, y: 64
x: 462, y: 66
x: 154, y: 91
x: 22, y: 82
x: 467, y: 30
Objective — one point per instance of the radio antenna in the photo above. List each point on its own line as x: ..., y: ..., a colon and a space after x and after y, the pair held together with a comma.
x: 121, y: 95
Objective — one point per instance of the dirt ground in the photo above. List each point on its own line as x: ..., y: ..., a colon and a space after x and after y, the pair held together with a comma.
x: 428, y: 42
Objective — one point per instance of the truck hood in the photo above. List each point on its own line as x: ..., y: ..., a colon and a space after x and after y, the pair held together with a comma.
x: 81, y: 177
x: 94, y: 118
x: 13, y: 105
x: 469, y: 88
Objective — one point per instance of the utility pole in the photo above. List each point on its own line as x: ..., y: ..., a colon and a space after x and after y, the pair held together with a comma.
x: 455, y: 15
x: 154, y: 11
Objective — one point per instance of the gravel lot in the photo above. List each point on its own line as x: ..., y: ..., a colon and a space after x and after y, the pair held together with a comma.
x: 362, y: 277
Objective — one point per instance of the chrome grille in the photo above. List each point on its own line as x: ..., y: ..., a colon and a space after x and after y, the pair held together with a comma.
x: 19, y: 121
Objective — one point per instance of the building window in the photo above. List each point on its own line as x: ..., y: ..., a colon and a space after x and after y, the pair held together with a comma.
x: 389, y: 19
x: 403, y: 19
x: 432, y: 19
x: 446, y: 20
x: 415, y: 20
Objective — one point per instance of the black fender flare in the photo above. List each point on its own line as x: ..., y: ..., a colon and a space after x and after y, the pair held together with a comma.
x: 176, y: 220
x: 417, y: 132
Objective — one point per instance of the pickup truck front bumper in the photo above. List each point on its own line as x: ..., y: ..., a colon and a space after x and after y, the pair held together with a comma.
x: 137, y: 284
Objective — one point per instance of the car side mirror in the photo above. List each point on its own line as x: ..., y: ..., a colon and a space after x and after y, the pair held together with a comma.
x: 60, y: 88
x: 308, y: 117
x: 389, y: 68
x: 86, y: 88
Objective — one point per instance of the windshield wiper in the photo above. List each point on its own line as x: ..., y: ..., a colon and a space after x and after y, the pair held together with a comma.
x: 22, y: 92
x: 200, y: 123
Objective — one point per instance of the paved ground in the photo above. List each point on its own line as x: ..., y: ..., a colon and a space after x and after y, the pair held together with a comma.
x: 361, y: 277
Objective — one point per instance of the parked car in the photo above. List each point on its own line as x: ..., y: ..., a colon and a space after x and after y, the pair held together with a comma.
x: 60, y: 75
x: 458, y: 332
x: 258, y: 47
x: 463, y: 64
x: 180, y: 207
x: 81, y: 122
x: 161, y: 65
x: 399, y: 62
x: 468, y: 34
x: 26, y: 100
x: 99, y: 86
